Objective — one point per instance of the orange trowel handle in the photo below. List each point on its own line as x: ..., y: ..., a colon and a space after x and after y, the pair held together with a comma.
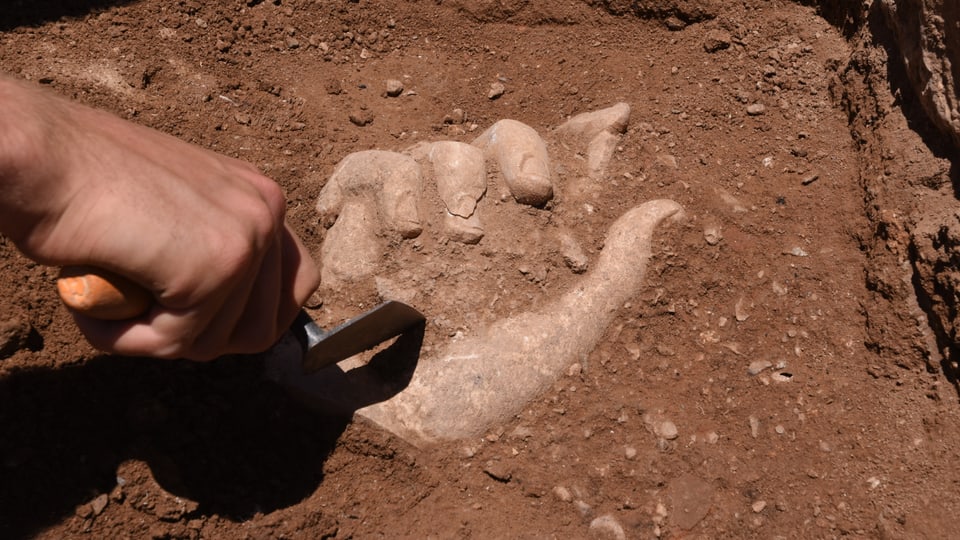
x: 100, y: 294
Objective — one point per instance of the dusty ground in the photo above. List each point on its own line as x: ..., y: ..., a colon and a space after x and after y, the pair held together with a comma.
x: 789, y: 351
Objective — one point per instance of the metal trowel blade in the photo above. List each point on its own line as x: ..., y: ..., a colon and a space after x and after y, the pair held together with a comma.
x: 322, y: 348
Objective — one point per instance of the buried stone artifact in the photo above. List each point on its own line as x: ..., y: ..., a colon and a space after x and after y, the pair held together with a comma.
x: 459, y: 388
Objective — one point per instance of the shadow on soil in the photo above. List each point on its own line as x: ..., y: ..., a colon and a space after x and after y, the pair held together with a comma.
x: 18, y: 13
x: 218, y: 434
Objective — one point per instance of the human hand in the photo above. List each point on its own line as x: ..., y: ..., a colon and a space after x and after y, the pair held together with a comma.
x: 204, y: 233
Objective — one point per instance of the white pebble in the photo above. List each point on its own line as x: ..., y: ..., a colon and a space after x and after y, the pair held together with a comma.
x: 607, y: 527
x: 712, y: 234
x: 394, y: 87
x: 573, y: 255
x: 584, y: 508
x: 496, y: 90
x: 667, y: 430
x: 739, y: 312
x: 758, y: 366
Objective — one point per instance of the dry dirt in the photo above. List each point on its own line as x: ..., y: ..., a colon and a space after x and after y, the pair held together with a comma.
x: 790, y: 351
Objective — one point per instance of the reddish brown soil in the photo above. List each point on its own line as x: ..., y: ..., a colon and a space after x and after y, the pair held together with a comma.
x: 851, y: 431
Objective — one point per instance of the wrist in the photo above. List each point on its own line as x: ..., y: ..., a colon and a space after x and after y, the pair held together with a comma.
x: 31, y: 128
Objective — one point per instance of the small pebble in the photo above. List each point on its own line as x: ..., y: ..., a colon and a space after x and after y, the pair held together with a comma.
x: 782, y: 377
x: 456, y: 117
x: 498, y: 471
x: 739, y: 312
x: 674, y: 24
x: 712, y: 234
x: 756, y: 109
x: 361, y: 117
x: 607, y: 527
x: 754, y: 426
x: 573, y: 255
x: 691, y: 499
x: 521, y: 432
x: 14, y: 331
x: 716, y: 40
x: 562, y: 494
x: 758, y: 506
x: 496, y: 90
x: 333, y: 87
x: 758, y: 366
x: 315, y: 301
x: 394, y: 87
x: 810, y: 179
x: 84, y: 511
x: 585, y: 509
x: 667, y: 161
x: 667, y: 430
x: 630, y: 452
x: 99, y: 504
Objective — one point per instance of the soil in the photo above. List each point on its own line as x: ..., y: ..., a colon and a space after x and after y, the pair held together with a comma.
x: 778, y: 332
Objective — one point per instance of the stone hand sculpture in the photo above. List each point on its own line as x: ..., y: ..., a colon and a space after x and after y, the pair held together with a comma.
x: 377, y: 200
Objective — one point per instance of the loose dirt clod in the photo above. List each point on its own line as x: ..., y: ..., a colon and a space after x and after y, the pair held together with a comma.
x: 14, y: 330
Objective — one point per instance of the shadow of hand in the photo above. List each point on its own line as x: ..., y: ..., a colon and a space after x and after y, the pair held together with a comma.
x: 218, y: 434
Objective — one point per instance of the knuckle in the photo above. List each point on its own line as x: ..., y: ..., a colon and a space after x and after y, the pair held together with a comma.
x: 238, y: 252
x: 273, y: 198
x: 276, y: 200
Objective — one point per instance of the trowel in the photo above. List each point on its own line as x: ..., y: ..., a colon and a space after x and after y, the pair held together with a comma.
x: 104, y: 295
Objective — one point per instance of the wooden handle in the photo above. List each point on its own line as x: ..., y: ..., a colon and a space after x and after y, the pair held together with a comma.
x: 100, y: 294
